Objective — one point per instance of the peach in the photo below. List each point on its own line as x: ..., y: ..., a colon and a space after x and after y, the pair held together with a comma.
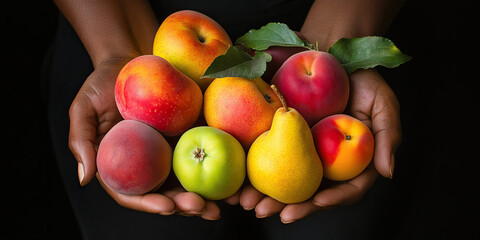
x: 242, y: 107
x: 133, y: 158
x: 345, y: 146
x: 314, y: 83
x: 151, y: 90
x: 190, y: 41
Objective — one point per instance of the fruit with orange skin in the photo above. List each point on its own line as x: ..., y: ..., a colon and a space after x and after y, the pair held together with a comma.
x: 190, y: 41
x: 242, y: 107
x: 133, y: 158
x: 344, y: 144
x: 314, y: 83
x: 151, y: 90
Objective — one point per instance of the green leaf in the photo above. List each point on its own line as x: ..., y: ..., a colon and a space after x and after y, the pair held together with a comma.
x: 367, y: 52
x: 272, y: 34
x: 237, y: 63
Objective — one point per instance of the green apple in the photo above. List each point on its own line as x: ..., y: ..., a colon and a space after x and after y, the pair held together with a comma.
x: 209, y: 162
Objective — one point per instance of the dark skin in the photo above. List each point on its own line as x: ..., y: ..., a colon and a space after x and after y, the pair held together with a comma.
x: 116, y: 31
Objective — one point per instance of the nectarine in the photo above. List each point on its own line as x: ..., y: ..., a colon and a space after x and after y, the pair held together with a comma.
x: 314, y: 83
x: 190, y: 41
x: 149, y: 89
x: 345, y: 146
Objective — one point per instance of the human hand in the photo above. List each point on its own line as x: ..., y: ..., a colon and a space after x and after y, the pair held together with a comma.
x: 92, y: 114
x: 374, y: 103
x: 170, y: 199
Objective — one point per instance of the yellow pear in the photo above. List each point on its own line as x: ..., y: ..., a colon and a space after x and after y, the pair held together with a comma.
x: 283, y: 162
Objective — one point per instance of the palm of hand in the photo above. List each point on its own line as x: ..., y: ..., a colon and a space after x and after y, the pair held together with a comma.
x: 374, y: 103
x: 92, y: 114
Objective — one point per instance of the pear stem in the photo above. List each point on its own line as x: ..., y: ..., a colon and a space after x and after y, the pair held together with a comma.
x: 280, y: 96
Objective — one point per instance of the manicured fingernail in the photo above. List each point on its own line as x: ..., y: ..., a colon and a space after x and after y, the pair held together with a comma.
x: 81, y: 173
x: 392, y: 165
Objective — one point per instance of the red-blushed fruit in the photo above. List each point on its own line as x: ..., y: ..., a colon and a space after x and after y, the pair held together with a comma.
x: 149, y: 89
x: 345, y: 146
x: 314, y: 83
x: 190, y: 41
x: 133, y: 158
x: 241, y: 107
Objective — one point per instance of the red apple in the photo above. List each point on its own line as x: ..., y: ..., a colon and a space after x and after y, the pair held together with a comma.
x: 314, y: 83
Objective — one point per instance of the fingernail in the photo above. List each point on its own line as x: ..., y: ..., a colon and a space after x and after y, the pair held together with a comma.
x: 392, y: 165
x: 248, y: 208
x: 168, y: 213
x: 319, y: 204
x: 206, y: 217
x: 287, y: 221
x: 184, y: 214
x: 81, y: 173
x: 262, y: 215
x: 196, y: 212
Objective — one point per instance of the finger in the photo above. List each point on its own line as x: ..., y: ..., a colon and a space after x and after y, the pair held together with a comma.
x: 293, y: 212
x: 234, y: 199
x: 212, y: 211
x: 342, y: 194
x: 249, y: 197
x: 386, y: 128
x: 82, y: 137
x: 187, y: 202
x: 267, y: 207
x: 150, y: 202
x: 347, y: 192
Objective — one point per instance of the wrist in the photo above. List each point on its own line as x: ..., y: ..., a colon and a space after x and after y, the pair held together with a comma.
x: 109, y: 55
x: 328, y: 21
x: 112, y: 29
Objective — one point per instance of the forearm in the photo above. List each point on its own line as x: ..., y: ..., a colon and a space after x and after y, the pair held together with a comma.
x: 330, y: 20
x: 112, y: 28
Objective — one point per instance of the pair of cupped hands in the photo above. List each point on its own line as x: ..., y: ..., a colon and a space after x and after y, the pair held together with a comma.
x: 94, y: 112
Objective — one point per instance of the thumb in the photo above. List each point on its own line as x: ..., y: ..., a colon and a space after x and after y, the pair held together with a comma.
x: 82, y: 139
x: 386, y: 128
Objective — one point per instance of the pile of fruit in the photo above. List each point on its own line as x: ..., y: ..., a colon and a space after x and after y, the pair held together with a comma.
x: 269, y: 108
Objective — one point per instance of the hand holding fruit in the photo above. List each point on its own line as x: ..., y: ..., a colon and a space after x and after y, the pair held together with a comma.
x: 92, y: 114
x: 154, y: 91
x: 373, y: 102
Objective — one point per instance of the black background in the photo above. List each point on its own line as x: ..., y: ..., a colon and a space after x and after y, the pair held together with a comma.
x: 434, y: 185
